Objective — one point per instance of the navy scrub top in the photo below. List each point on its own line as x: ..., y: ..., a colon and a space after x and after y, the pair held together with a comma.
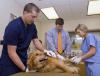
x: 16, y: 33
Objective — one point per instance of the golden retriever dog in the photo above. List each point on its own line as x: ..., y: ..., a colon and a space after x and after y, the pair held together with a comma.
x: 41, y: 62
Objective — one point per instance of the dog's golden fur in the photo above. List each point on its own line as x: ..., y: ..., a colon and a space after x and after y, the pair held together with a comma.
x: 40, y: 62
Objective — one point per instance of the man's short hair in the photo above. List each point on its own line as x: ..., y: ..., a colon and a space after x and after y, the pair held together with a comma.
x: 28, y: 7
x: 59, y: 21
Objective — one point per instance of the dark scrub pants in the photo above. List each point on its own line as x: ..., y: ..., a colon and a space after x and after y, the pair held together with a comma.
x: 17, y: 34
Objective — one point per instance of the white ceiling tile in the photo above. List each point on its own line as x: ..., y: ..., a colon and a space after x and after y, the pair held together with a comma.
x: 67, y: 9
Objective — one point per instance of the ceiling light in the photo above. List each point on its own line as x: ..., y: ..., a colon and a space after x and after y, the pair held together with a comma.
x: 94, y: 7
x: 50, y: 13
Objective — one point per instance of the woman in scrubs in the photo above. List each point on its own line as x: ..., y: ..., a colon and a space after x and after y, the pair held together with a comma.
x: 90, y: 51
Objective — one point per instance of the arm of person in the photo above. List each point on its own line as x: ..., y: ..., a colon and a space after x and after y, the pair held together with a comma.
x: 14, y: 57
x: 49, y: 42
x: 11, y: 37
x: 68, y: 44
x: 89, y: 54
x: 38, y: 44
x: 91, y: 42
x: 92, y: 51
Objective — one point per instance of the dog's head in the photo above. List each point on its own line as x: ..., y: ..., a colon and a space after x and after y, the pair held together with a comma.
x: 36, y: 60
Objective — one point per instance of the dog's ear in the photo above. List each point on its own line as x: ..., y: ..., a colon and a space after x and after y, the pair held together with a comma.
x: 30, y: 61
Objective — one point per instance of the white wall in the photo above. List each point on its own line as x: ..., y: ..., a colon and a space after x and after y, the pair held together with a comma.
x: 11, y: 6
x: 92, y: 23
x: 7, y: 7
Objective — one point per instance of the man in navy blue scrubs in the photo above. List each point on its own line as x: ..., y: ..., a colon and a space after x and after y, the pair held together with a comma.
x: 17, y: 37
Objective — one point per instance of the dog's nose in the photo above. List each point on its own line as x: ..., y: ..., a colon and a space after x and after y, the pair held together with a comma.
x: 45, y: 53
x: 46, y: 57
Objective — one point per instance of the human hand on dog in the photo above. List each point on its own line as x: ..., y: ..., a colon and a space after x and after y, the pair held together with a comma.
x: 76, y: 59
x: 60, y: 57
x: 50, y: 53
x: 26, y: 70
x: 73, y: 69
x: 53, y: 54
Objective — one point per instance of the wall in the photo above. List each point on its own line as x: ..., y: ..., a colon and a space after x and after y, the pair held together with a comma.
x: 92, y: 23
x: 11, y: 6
x: 7, y: 7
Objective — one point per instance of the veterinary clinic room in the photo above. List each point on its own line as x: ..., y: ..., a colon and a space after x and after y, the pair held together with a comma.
x: 50, y: 38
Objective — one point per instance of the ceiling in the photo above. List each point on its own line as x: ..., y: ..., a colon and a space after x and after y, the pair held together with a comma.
x: 67, y: 9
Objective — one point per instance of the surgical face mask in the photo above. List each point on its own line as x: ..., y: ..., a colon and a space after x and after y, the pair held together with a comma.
x: 79, y: 38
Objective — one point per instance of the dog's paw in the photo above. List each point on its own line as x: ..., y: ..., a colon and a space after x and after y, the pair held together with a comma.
x: 44, y: 71
x: 73, y: 70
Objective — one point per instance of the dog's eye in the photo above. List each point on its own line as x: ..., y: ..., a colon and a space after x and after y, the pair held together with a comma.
x: 37, y: 54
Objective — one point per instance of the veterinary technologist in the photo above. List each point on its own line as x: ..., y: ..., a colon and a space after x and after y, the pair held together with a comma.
x: 17, y: 37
